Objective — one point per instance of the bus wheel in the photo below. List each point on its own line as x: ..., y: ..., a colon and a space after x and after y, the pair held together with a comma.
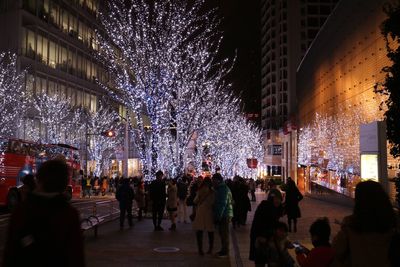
x: 68, y: 193
x: 12, y: 199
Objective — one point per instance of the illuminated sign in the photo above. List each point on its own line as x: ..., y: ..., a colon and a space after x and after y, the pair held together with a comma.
x: 369, y: 167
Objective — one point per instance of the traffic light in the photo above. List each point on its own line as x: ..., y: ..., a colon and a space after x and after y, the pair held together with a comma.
x: 109, y: 133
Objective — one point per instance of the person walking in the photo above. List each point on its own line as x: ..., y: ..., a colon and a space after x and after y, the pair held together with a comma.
x: 125, y: 196
x: 223, y: 212
x: 365, y: 236
x: 182, y: 193
x: 172, y: 203
x: 140, y: 199
x: 45, y: 230
x: 158, y: 197
x: 292, y: 199
x: 265, y: 221
x: 204, y: 220
x: 252, y: 188
x: 243, y: 202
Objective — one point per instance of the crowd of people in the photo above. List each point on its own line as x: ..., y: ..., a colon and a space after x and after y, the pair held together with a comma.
x: 45, y: 228
x: 368, y: 237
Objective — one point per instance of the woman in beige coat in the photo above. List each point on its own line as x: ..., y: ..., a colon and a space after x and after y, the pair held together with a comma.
x: 204, y: 220
x: 172, y: 203
x: 365, y: 236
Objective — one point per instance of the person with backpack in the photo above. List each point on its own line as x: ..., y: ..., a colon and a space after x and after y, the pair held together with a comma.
x: 125, y: 196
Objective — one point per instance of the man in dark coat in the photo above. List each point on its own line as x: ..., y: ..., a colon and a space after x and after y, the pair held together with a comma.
x: 265, y: 220
x: 45, y: 230
x: 158, y: 197
x: 125, y: 196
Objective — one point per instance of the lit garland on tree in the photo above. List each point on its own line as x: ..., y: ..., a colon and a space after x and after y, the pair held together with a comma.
x: 337, y: 138
x: 230, y: 142
x: 55, y: 115
x: 100, y: 147
x: 12, y: 95
x: 150, y: 46
x: 162, y: 60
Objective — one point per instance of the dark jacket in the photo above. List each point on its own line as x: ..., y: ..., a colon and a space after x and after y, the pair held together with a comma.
x: 125, y: 195
x: 292, y: 199
x: 265, y: 219
x: 44, y: 231
x: 158, y: 193
x: 182, y: 189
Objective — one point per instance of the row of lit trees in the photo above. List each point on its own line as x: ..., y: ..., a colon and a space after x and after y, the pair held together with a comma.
x: 163, y: 57
x: 163, y: 65
x: 59, y: 121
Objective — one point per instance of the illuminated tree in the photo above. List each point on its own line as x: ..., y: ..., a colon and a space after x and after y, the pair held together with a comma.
x: 157, y: 53
x: 229, y: 142
x: 12, y: 95
x: 55, y: 115
x: 101, y: 147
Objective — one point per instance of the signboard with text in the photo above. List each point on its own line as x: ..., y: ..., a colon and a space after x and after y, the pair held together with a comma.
x: 370, y: 167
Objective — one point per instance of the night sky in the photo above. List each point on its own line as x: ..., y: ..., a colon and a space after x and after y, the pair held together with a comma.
x: 241, y: 30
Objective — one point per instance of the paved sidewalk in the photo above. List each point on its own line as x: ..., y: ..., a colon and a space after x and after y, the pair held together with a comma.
x: 134, y: 247
x: 311, y: 209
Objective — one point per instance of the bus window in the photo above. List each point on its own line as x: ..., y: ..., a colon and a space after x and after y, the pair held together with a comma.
x: 25, y: 149
x: 15, y: 147
x: 75, y: 155
x: 3, y: 145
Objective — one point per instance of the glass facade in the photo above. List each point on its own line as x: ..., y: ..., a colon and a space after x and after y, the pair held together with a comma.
x: 74, y: 25
x: 59, y: 55
x: 78, y: 96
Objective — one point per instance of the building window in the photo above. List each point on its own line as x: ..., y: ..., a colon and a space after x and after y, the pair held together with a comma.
x: 30, y: 5
x: 53, y: 48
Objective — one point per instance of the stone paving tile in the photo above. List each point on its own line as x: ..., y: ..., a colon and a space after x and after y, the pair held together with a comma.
x: 311, y: 209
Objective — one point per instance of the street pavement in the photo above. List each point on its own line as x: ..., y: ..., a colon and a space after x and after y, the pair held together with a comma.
x: 135, y: 247
x: 311, y: 209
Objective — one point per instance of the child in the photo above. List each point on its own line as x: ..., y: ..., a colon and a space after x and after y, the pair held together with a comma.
x: 278, y: 248
x: 322, y: 254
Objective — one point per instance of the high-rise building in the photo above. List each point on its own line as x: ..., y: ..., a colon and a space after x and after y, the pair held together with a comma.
x: 287, y: 30
x: 55, y: 41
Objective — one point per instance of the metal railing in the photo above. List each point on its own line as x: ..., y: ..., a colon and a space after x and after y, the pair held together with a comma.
x: 108, y: 210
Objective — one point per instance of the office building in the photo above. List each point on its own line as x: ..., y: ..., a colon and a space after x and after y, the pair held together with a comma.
x: 287, y: 30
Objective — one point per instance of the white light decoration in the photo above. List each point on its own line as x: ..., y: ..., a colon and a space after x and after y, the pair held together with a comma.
x: 12, y: 95
x: 162, y: 60
x: 100, y: 147
x: 55, y: 115
x: 337, y: 138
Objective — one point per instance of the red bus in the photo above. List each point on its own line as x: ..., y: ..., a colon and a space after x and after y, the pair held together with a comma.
x: 19, y: 158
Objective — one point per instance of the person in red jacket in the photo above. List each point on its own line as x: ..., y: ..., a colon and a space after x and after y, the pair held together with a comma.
x: 322, y: 254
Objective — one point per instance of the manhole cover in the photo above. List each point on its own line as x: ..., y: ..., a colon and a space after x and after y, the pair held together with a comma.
x: 166, y: 249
